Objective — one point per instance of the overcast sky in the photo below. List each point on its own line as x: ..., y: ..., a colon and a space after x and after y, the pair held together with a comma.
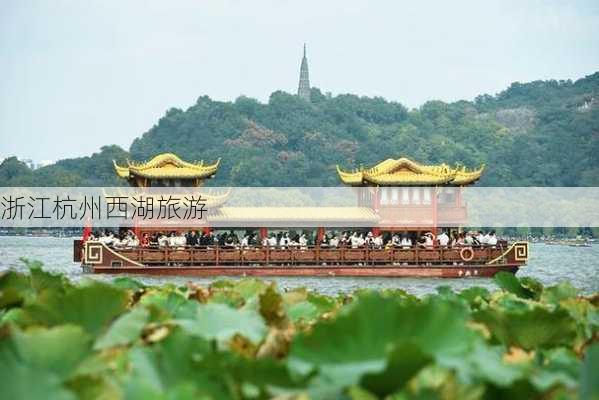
x: 76, y: 75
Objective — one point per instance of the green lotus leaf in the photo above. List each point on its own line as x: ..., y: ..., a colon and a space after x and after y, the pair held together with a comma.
x: 305, y: 310
x: 227, y: 296
x: 585, y: 314
x: 10, y: 297
x: 221, y: 322
x: 361, y: 338
x: 163, y: 303
x: 560, y: 367
x: 529, y: 328
x: 14, y: 289
x: 435, y: 382
x: 248, y: 288
x: 43, y: 280
x: 171, y: 369
x: 403, y: 363
x: 555, y: 294
x: 59, y: 349
x: 589, y: 379
x: 125, y: 282
x: 104, y: 363
x: 36, y: 362
x: 94, y: 388
x: 522, y: 389
x: 358, y: 393
x: 510, y: 283
x: 91, y: 307
x: 483, y: 363
x: 266, y: 375
x: 324, y: 304
x: 474, y: 294
x: 222, y: 284
x: 126, y: 329
x: 295, y: 295
x: 271, y: 307
x: 532, y: 285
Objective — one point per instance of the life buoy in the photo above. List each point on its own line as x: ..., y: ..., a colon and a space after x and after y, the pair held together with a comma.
x: 467, y: 254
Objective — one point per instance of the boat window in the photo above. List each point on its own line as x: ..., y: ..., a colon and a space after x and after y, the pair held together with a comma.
x: 384, y: 198
x: 405, y: 196
x: 416, y: 195
x: 395, y: 196
x: 426, y: 196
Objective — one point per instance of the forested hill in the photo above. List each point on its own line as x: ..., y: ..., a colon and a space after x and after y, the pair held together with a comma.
x: 543, y: 133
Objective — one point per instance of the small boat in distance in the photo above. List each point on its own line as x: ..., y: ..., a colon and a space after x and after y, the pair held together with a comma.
x: 402, y: 190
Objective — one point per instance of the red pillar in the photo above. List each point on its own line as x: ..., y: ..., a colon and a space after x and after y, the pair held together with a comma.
x: 434, y: 206
x: 136, y: 229
x: 319, y: 234
x: 263, y: 232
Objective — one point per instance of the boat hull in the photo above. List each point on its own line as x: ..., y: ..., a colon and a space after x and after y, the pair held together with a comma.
x: 323, y: 271
x: 415, y: 263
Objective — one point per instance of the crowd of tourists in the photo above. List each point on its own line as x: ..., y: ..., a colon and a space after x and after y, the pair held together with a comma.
x: 292, y: 239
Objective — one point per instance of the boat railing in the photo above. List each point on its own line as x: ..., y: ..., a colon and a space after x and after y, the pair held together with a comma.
x: 311, y: 255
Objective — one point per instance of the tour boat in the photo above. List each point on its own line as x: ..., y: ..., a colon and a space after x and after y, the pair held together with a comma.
x: 401, y: 188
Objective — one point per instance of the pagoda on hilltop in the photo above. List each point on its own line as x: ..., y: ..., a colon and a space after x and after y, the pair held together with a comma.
x: 303, y: 90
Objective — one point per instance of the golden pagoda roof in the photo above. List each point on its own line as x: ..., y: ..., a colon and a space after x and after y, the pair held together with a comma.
x: 167, y: 166
x: 405, y: 172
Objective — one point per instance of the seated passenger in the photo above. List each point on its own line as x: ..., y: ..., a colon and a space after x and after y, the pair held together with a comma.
x: 406, y: 242
x: 368, y: 240
x: 132, y: 240
x: 378, y: 242
x: 492, y: 241
x: 162, y: 240
x: 252, y: 240
x: 245, y: 242
x: 469, y: 239
x: 334, y: 242
x: 120, y: 242
x: 428, y: 240
x: 272, y: 240
x: 192, y: 238
x: 353, y: 240
x: 461, y: 239
x: 485, y: 239
x: 181, y: 240
x: 233, y: 236
x: 443, y: 239
x: 284, y: 241
x: 107, y: 238
x: 153, y: 241
x: 479, y: 238
x: 303, y: 241
x: 145, y: 240
x: 230, y: 242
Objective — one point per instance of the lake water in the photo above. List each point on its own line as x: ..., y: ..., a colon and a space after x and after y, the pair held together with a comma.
x: 550, y: 264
